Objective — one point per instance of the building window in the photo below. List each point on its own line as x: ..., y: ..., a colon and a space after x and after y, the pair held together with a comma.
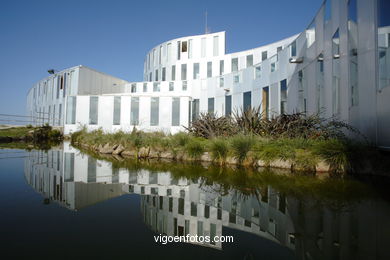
x: 195, y: 109
x: 154, y: 111
x: 163, y: 72
x: 196, y: 71
x: 71, y: 110
x: 215, y: 45
x: 301, y: 92
x: 221, y: 67
x: 169, y: 52
x: 264, y: 55
x: 203, y: 47
x: 236, y: 78
x: 183, y: 71
x: 257, y: 72
x: 209, y: 69
x: 190, y: 49
x: 234, y: 64
x: 145, y: 87
x: 353, y: 53
x: 249, y: 61
x: 178, y: 50
x: 280, y: 48
x: 156, y: 87
x: 184, y: 46
x: 265, y: 102
x: 273, y: 66
x: 171, y: 86
x: 210, y: 107
x: 283, y: 96
x: 173, y: 72
x: 133, y: 88
x: 221, y: 82
x: 247, y: 100
x: 383, y: 44
x: 156, y: 76
x: 336, y: 73
x: 194, y: 209
x: 159, y: 55
x: 293, y: 49
x: 184, y: 85
x: 93, y: 110
x: 320, y: 82
x: 117, y: 111
x: 175, y: 111
x: 311, y: 34
x: 228, y: 105
x: 134, y: 111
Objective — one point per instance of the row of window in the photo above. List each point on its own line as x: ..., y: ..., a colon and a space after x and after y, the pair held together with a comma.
x: 134, y: 111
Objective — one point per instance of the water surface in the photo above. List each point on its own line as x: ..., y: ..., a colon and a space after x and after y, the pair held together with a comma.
x: 62, y: 203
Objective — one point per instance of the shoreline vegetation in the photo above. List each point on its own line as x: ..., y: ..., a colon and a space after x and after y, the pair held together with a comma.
x: 295, y: 142
x: 29, y: 137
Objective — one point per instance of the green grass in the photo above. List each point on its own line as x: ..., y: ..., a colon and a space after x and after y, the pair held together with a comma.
x: 15, y: 132
x: 303, y: 154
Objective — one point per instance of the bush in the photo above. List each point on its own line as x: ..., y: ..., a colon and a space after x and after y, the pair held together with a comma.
x: 241, y: 145
x: 195, y: 148
x: 219, y: 149
x: 334, y: 152
x: 209, y: 126
x: 180, y: 139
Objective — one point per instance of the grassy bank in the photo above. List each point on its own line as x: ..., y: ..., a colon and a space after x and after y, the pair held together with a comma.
x: 296, y: 142
x: 30, y: 134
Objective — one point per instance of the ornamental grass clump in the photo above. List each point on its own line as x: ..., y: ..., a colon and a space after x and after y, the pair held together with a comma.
x: 195, y: 148
x: 219, y: 149
x: 208, y: 125
x: 241, y: 145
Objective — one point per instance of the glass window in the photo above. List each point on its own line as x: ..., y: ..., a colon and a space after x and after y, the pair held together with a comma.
x: 196, y: 71
x: 203, y: 47
x: 175, y: 111
x: 236, y: 78
x: 234, y: 64
x: 91, y: 172
x: 134, y: 111
x: 163, y: 72
x: 209, y: 69
x: 194, y: 209
x: 184, y: 46
x: 210, y: 107
x: 156, y: 76
x: 247, y: 100
x: 190, y: 49
x: 320, y: 83
x: 257, y: 72
x: 249, y: 61
x: 228, y: 105
x: 60, y: 114
x: 133, y: 87
x: 159, y: 55
x: 383, y: 43
x: 195, y: 109
x: 273, y: 66
x: 336, y: 73
x: 311, y: 34
x: 265, y: 102
x: 178, y: 50
x: 293, y: 49
x: 154, y: 111
x: 171, y: 86
x: 145, y: 87
x: 156, y: 87
x: 221, y: 82
x: 264, y: 55
x: 117, y: 111
x: 221, y: 67
x: 200, y: 228
x: 184, y: 86
x: 215, y: 45
x: 173, y: 72
x: 301, y: 92
x: 183, y: 71
x: 283, y: 96
x: 169, y: 52
x: 213, y: 232
x: 280, y: 48
x: 93, y: 110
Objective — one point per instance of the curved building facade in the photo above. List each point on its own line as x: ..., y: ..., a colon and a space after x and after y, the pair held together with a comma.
x: 338, y: 66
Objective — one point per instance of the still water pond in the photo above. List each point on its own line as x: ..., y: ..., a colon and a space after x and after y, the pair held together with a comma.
x: 62, y: 203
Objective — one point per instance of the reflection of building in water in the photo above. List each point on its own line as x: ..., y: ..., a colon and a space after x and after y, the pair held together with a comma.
x: 181, y: 206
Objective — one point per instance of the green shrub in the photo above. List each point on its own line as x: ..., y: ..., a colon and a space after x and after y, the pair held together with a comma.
x: 334, y: 152
x: 219, y: 149
x: 241, y: 145
x: 195, y: 148
x: 180, y: 139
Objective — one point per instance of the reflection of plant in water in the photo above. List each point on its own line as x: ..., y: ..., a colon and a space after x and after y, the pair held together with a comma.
x: 335, y: 192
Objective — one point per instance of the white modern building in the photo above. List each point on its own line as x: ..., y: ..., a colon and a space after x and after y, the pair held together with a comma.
x: 339, y: 66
